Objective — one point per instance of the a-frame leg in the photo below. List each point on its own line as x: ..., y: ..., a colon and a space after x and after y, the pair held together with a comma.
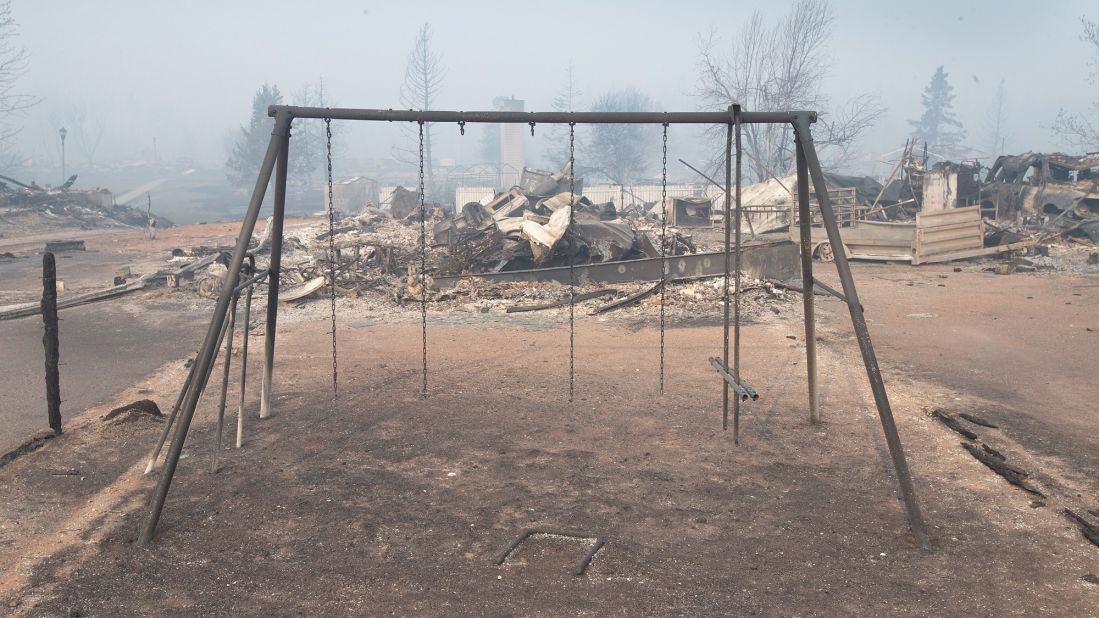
x: 877, y: 385
x: 274, y: 272
x: 210, y: 344
x: 807, y: 283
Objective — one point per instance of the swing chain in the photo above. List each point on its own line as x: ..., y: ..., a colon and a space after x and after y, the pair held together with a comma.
x: 572, y: 273
x: 663, y: 247
x: 423, y: 267
x: 462, y: 126
x: 331, y: 253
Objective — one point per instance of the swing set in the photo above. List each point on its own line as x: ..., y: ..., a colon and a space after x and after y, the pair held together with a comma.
x: 243, y: 277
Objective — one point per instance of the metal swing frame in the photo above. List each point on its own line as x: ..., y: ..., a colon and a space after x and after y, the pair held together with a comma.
x: 808, y: 169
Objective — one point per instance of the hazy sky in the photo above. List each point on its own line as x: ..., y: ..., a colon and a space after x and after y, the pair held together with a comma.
x: 185, y: 72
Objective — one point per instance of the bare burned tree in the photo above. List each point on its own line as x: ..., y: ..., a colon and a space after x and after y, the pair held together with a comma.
x: 995, y: 121
x: 566, y: 101
x: 14, y: 61
x: 423, y: 79
x: 621, y: 152
x: 308, y: 156
x: 1082, y: 129
x: 781, y: 66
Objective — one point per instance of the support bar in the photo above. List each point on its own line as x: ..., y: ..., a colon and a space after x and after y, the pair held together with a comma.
x: 831, y: 290
x: 251, y: 281
x: 391, y: 115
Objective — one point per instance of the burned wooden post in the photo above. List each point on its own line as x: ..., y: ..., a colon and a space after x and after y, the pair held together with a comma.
x: 50, y: 341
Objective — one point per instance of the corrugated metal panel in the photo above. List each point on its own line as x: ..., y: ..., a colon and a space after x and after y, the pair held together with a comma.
x: 601, y: 194
x: 621, y: 196
x: 465, y: 195
x: 652, y: 193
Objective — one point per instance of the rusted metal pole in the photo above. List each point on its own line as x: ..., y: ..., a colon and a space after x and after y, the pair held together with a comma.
x: 224, y: 383
x: 274, y: 270
x: 807, y: 281
x: 858, y: 321
x: 50, y: 341
x: 397, y: 115
x: 209, y: 347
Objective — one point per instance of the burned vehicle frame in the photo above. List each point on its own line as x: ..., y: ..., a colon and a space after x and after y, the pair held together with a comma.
x: 1036, y: 187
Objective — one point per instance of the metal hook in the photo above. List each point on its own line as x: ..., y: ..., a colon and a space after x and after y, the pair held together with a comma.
x: 462, y: 126
x: 531, y: 128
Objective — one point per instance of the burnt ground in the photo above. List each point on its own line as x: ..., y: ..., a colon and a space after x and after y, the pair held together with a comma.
x: 105, y: 346
x: 389, y: 504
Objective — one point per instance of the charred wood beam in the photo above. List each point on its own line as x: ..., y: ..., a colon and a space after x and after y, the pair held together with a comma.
x: 1010, y: 473
x: 976, y: 420
x: 1089, y: 530
x: 953, y: 424
x: 633, y: 298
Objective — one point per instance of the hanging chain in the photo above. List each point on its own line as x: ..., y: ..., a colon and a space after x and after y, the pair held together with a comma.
x: 331, y: 254
x: 423, y: 266
x: 663, y: 247
x: 572, y: 273
x: 727, y: 221
x: 737, y: 278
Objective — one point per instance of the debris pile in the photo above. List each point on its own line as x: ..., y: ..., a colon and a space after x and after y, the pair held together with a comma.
x: 26, y: 207
x: 377, y: 261
x: 1050, y: 195
x: 529, y: 226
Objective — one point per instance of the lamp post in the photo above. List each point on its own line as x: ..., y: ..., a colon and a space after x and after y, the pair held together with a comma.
x: 62, y: 132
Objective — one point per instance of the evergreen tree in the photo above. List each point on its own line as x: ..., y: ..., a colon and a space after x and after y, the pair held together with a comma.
x: 938, y: 125
x: 242, y: 168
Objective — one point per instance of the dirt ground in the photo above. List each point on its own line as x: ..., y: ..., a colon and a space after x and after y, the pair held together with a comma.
x: 137, y: 334
x: 387, y: 504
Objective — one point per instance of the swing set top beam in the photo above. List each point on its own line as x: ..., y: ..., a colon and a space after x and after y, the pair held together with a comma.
x: 392, y: 115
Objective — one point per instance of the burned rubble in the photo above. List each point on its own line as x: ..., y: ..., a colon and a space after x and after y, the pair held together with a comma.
x: 522, y: 229
x: 31, y: 206
x: 529, y: 226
